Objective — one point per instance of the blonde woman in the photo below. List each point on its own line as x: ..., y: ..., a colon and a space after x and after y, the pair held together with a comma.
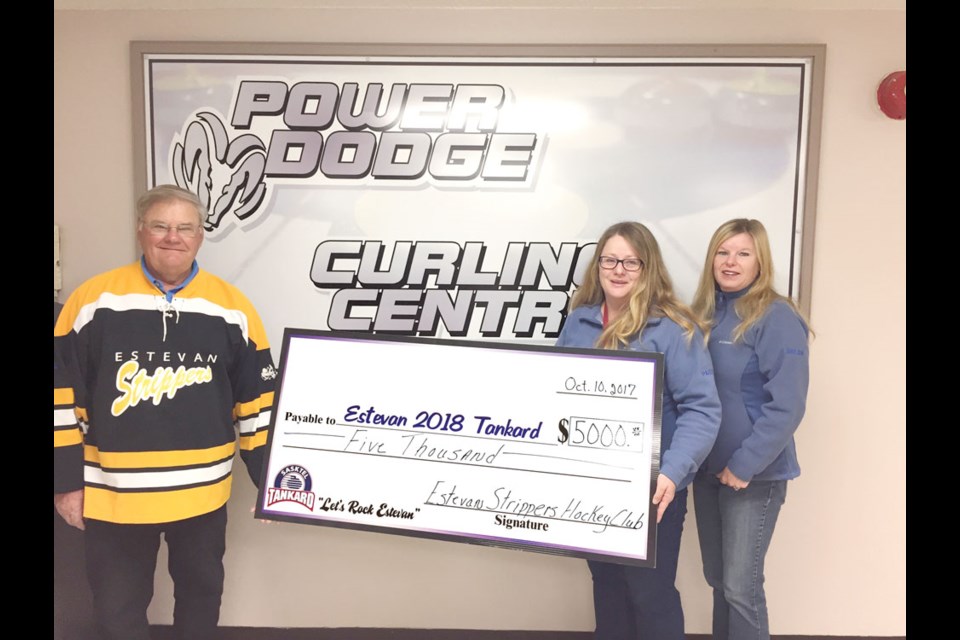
x: 626, y: 301
x: 758, y: 342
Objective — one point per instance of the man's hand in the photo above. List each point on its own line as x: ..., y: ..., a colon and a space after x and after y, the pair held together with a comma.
x: 70, y: 507
x: 253, y: 510
x: 666, y: 490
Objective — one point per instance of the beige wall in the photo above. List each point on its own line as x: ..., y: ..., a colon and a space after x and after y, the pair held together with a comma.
x: 838, y: 561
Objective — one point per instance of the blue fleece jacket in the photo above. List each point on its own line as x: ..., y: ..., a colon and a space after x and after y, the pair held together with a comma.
x: 691, y: 407
x: 762, y: 382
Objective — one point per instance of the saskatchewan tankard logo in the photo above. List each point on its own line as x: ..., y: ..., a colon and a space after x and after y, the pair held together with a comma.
x: 227, y: 175
x: 292, y: 484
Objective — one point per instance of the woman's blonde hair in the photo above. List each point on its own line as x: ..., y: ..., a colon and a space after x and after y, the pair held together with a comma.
x: 751, y: 306
x: 652, y: 295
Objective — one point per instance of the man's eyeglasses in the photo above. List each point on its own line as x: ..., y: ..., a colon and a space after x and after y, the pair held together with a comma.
x: 161, y: 229
x: 629, y: 264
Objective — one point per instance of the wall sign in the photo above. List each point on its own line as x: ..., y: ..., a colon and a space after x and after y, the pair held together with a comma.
x: 443, y: 191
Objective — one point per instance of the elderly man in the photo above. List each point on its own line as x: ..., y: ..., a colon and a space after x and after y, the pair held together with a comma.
x: 165, y: 361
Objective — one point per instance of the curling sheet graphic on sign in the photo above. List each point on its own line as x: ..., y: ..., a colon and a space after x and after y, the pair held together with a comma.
x: 509, y: 445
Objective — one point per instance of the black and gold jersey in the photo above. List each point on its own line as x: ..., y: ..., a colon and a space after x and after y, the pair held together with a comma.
x: 161, y: 387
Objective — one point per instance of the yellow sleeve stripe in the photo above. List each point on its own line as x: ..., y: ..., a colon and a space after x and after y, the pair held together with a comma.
x: 62, y: 396
x: 81, y: 414
x: 157, y: 459
x: 67, y: 438
x: 244, y: 409
x: 249, y: 443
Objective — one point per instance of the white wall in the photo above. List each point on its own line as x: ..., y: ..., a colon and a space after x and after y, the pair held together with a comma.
x: 838, y: 561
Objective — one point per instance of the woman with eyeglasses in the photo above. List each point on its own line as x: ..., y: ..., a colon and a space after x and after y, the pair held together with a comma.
x: 626, y: 301
x: 758, y: 342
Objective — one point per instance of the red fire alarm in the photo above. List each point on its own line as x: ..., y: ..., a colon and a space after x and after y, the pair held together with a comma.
x: 892, y: 95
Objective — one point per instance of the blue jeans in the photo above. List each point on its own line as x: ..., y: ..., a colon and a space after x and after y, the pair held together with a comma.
x: 637, y: 602
x: 735, y: 528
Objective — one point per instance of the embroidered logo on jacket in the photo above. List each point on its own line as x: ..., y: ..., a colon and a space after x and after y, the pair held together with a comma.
x: 136, y: 385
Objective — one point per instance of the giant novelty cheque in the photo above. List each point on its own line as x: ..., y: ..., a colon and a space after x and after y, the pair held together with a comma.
x: 552, y: 450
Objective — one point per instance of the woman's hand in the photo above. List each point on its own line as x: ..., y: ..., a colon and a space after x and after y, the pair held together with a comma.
x: 666, y: 490
x: 726, y: 477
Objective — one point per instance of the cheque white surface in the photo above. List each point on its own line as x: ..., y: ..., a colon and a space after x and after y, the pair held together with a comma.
x: 506, y: 445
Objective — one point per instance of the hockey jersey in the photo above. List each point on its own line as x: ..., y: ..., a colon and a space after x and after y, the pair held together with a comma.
x: 161, y: 385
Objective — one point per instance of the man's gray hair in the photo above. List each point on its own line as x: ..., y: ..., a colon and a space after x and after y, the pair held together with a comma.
x: 166, y: 193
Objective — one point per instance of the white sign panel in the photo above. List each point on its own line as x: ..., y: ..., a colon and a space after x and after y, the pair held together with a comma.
x: 551, y: 450
x: 459, y: 196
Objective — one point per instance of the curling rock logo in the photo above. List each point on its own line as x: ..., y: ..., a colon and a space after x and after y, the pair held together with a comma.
x: 292, y: 484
